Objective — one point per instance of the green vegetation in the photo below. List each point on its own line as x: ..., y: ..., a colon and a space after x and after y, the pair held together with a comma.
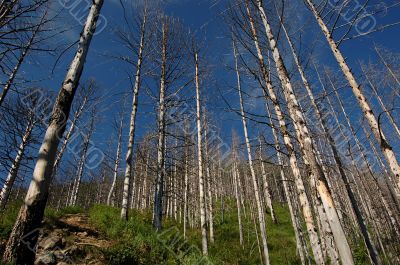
x: 7, y: 219
x: 136, y: 242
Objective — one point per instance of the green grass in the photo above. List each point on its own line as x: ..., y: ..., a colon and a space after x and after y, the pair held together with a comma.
x: 7, y: 218
x: 138, y: 243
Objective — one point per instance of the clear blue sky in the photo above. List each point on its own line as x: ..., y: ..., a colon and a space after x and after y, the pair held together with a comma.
x: 203, y: 16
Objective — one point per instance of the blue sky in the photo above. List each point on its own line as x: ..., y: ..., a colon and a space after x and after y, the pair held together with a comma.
x: 205, y: 18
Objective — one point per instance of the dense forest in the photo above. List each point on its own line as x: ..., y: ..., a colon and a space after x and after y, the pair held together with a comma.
x: 200, y: 132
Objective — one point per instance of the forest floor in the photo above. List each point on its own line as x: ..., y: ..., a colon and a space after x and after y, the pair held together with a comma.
x: 98, y: 236
x: 71, y: 239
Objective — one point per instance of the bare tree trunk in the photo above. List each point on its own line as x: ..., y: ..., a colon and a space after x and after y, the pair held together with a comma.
x: 186, y: 179
x: 31, y: 213
x: 110, y: 197
x: 159, y: 187
x: 354, y: 205
x: 296, y: 114
x: 71, y: 130
x: 383, y: 167
x: 362, y: 101
x: 5, y: 9
x: 132, y: 125
x: 387, y: 112
x: 305, y: 204
x: 364, y: 158
x: 252, y: 217
x: 267, y: 194
x: 82, y: 163
x: 209, y: 189
x: 12, y: 173
x: 203, y: 222
x: 21, y: 59
x: 388, y: 67
x: 238, y: 206
x: 260, y: 210
x: 364, y: 200
x: 301, y: 248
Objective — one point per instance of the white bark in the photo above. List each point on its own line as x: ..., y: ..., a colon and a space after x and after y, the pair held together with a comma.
x: 82, y: 162
x: 21, y: 59
x: 13, y: 172
x: 304, y: 202
x: 301, y: 248
x: 297, y: 116
x: 159, y: 185
x: 209, y: 189
x: 354, y: 205
x: 387, y: 112
x: 202, y: 198
x: 110, y: 197
x: 267, y: 194
x: 69, y: 133
x: 31, y: 213
x: 186, y: 181
x: 361, y: 99
x: 260, y: 210
x: 132, y: 124
x: 238, y: 205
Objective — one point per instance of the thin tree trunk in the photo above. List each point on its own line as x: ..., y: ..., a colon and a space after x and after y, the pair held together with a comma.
x: 110, y: 197
x: 69, y: 133
x: 354, y: 205
x: 31, y: 213
x: 132, y: 125
x: 21, y: 59
x: 267, y: 194
x: 260, y: 210
x: 186, y: 179
x: 305, y: 140
x: 159, y: 187
x: 305, y: 204
x: 203, y: 222
x: 383, y: 167
x: 364, y: 158
x: 301, y: 248
x: 361, y: 99
x: 237, y: 195
x: 387, y: 112
x: 13, y: 172
x: 82, y: 163
x: 364, y: 200
x: 388, y: 67
x: 209, y: 189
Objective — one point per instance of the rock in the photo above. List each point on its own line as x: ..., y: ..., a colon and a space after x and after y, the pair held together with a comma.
x: 72, y: 251
x: 59, y: 255
x: 51, y: 242
x: 82, y: 234
x: 47, y: 258
x: 63, y: 258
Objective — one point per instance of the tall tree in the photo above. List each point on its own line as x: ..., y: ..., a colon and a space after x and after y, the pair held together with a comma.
x: 306, y: 144
x: 260, y: 208
x: 340, y: 165
x: 132, y: 124
x: 358, y: 93
x: 202, y: 195
x: 31, y: 213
